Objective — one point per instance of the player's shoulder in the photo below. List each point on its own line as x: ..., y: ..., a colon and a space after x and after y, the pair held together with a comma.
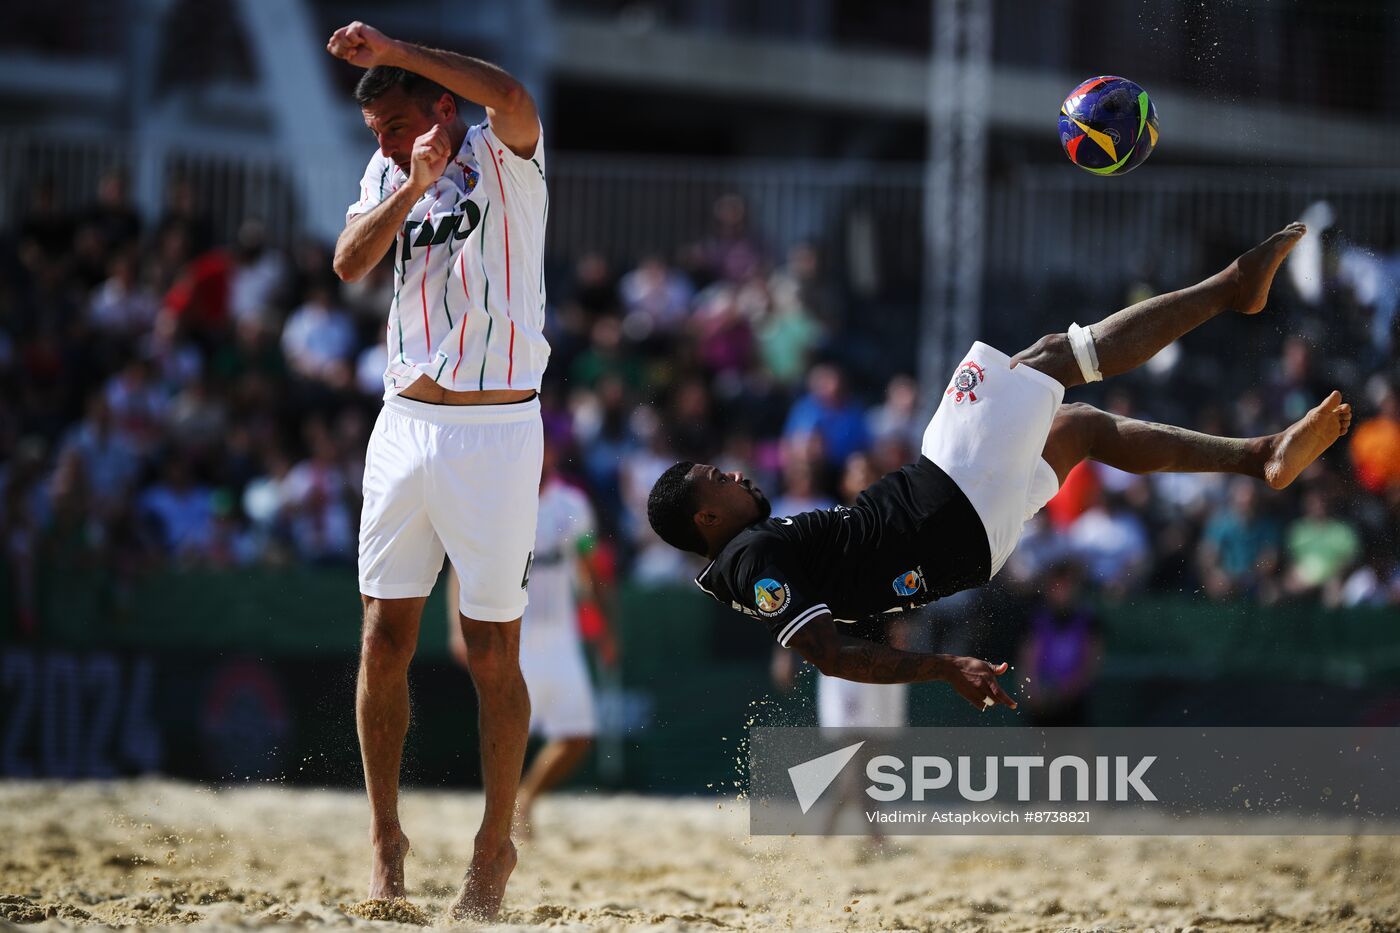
x: 758, y: 544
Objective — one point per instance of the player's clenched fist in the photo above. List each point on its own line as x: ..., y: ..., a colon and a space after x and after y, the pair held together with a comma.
x: 430, y: 154
x: 361, y: 45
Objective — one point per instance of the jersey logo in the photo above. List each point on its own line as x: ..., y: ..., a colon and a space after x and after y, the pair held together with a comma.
x: 968, y: 378
x: 910, y: 582
x: 455, y: 226
x: 770, y: 596
x: 529, y: 562
x: 783, y: 521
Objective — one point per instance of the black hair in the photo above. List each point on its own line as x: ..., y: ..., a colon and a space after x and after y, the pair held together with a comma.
x: 671, y: 509
x: 381, y: 79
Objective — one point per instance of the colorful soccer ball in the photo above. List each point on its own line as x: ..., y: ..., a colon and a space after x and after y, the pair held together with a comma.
x: 1108, y: 126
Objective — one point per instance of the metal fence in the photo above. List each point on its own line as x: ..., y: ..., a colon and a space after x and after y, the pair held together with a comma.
x: 227, y: 187
x: 1045, y: 223
x: 1051, y: 222
x: 628, y: 206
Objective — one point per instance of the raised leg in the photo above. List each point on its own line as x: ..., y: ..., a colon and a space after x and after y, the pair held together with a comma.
x: 1128, y: 338
x: 493, y: 658
x: 387, y: 643
x: 1082, y: 432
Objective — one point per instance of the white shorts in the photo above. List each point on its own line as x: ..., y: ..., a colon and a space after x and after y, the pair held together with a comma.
x: 850, y: 705
x: 463, y: 480
x: 561, y: 693
x: 988, y: 435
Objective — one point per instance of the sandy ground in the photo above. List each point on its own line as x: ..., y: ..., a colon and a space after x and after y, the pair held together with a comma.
x: 158, y: 853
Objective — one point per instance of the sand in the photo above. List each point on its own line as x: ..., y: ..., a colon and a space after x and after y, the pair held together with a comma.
x: 160, y: 853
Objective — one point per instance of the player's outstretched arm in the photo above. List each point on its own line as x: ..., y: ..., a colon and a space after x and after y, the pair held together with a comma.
x: 509, y: 107
x: 837, y: 655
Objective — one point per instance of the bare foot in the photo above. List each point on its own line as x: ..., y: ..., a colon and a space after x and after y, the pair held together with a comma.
x: 484, y: 887
x: 1254, y: 271
x: 386, y: 868
x: 1303, y: 442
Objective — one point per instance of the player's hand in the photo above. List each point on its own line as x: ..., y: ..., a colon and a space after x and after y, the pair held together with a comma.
x: 976, y: 682
x: 361, y: 45
x: 429, y: 158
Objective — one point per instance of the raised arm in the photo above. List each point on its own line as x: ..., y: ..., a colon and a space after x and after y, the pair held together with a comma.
x: 838, y: 655
x: 508, y: 104
x: 366, y: 238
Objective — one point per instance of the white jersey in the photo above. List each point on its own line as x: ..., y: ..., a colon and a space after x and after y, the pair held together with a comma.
x: 468, y: 306
x: 565, y: 519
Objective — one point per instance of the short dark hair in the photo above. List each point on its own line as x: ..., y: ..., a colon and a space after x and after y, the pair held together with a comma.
x: 671, y: 509
x: 381, y: 79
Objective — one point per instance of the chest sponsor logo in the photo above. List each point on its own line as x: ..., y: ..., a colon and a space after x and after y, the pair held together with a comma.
x: 965, y: 383
x: 770, y: 596
x: 910, y: 582
x: 418, y: 234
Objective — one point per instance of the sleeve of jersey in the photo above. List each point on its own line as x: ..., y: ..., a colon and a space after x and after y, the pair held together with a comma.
x: 380, y: 180
x: 779, y: 593
x: 523, y: 175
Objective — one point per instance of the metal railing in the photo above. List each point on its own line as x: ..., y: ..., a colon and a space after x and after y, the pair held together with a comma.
x: 1043, y: 222
x: 227, y: 187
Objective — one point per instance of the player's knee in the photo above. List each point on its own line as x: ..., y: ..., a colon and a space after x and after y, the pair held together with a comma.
x: 384, y: 647
x: 492, y: 654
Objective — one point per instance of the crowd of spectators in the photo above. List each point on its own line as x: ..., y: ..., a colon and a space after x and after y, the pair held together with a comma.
x: 174, y: 401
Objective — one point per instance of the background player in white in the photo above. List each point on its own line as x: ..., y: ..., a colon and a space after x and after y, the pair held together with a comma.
x: 453, y: 462
x: 562, y: 705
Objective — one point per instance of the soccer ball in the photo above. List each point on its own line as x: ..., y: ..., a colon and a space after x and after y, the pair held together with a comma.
x: 1108, y: 126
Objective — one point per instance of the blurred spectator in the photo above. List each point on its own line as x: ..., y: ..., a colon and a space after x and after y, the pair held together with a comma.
x: 257, y: 275
x: 595, y: 288
x: 1239, y: 552
x: 122, y: 306
x: 606, y: 357
x: 114, y: 217
x: 723, y: 333
x: 655, y: 298
x: 731, y: 253
x: 179, y: 512
x: 1375, y: 446
x: 1062, y: 651
x: 1321, y: 549
x: 108, y: 461
x: 787, y: 335
x: 899, y: 416
x: 828, y: 412
x: 1294, y: 388
x: 1112, y: 543
x: 802, y: 287
x: 801, y: 490
x: 318, y: 340
x: 137, y: 405
x: 316, y: 499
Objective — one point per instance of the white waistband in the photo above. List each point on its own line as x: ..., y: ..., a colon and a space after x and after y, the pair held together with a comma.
x: 503, y: 413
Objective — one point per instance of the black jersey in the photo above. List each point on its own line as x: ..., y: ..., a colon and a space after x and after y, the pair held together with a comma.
x: 911, y: 538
